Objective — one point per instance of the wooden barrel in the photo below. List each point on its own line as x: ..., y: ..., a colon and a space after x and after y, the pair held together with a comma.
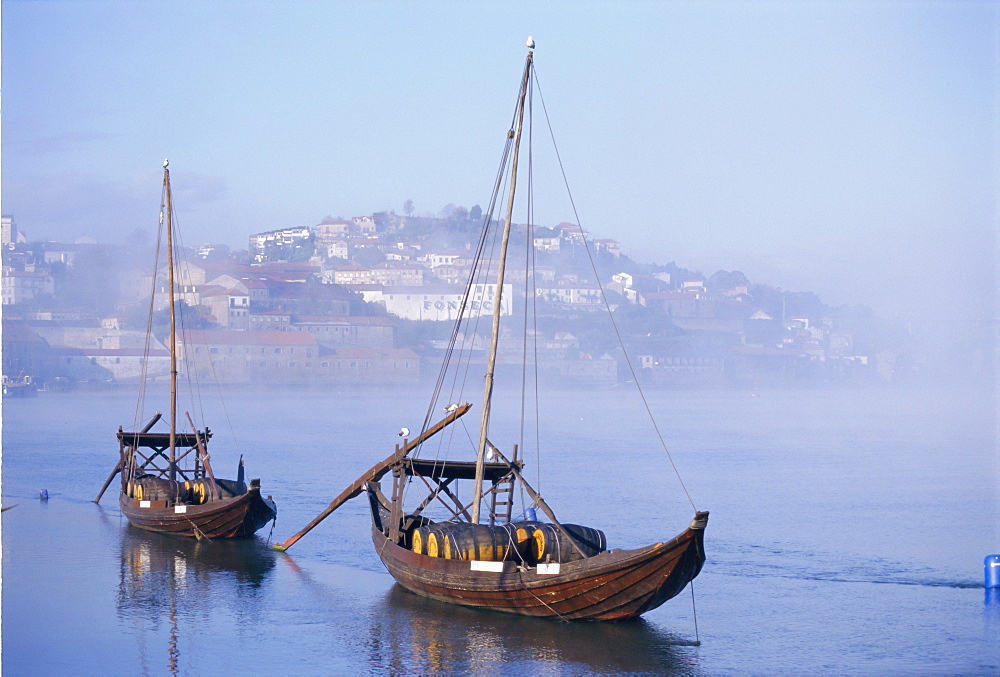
x: 522, y: 534
x: 477, y: 541
x: 418, y: 539
x: 154, y: 489
x: 435, y: 538
x: 196, y: 491
x: 552, y: 545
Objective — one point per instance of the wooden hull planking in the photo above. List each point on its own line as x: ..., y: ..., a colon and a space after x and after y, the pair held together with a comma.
x: 615, y: 585
x: 238, y: 517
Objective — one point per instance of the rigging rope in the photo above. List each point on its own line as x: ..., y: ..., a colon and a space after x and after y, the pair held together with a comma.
x: 463, y: 335
x: 607, y: 305
x: 191, y: 363
x: 531, y: 301
x: 144, y: 371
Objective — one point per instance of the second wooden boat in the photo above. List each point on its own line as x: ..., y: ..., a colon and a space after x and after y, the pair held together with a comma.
x: 167, y: 481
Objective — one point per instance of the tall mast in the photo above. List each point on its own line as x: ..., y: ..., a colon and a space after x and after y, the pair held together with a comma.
x: 491, y: 362
x: 173, y: 323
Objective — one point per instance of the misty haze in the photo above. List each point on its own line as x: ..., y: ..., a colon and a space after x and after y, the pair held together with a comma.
x: 755, y: 277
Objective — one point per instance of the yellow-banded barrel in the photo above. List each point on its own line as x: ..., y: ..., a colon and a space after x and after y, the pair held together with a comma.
x: 434, y: 543
x: 477, y: 542
x: 153, y: 489
x: 418, y: 540
x: 552, y: 545
x: 523, y: 535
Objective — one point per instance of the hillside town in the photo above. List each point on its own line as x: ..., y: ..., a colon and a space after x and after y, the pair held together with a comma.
x: 370, y: 300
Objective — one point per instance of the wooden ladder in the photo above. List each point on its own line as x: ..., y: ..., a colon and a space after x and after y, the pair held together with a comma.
x: 502, y: 497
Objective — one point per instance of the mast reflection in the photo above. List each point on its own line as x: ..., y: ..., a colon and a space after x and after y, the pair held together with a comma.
x: 176, y: 588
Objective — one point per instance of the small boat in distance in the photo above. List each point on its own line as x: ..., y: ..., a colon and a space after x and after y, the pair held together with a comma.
x: 167, y: 481
x: 481, y: 552
x: 19, y: 386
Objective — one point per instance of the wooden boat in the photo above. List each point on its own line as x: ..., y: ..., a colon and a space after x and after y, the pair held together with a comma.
x: 167, y: 482
x: 19, y: 386
x: 521, y: 566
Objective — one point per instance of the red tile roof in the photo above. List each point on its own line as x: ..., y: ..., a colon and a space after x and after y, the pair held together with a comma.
x: 362, y: 353
x: 110, y: 352
x: 362, y: 321
x: 246, y: 338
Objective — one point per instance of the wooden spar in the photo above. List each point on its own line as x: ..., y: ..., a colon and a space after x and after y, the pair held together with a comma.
x: 537, y: 498
x: 501, y: 267
x: 204, y: 458
x: 118, y: 467
x: 173, y: 324
x: 374, y: 473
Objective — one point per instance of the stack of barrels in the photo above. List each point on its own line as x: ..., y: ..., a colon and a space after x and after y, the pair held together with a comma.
x: 149, y: 488
x: 528, y: 542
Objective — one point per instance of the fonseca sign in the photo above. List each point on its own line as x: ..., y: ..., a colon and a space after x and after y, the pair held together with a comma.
x: 420, y: 303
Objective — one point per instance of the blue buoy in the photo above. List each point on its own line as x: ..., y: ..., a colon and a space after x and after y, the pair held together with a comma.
x: 529, y: 514
x: 991, y: 571
x: 43, y: 494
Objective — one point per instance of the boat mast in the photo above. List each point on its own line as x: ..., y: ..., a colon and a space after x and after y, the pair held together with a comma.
x: 491, y: 362
x: 173, y: 324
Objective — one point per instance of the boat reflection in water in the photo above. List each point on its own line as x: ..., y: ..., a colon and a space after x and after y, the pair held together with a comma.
x: 177, y: 588
x: 437, y: 638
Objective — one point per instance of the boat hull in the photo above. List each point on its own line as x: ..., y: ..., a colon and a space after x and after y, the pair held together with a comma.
x: 611, y: 586
x: 238, y: 517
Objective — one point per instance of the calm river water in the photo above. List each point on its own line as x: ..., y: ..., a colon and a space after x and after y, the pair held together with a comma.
x: 847, y: 535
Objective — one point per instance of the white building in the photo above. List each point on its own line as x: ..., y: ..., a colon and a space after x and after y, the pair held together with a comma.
x: 260, y: 242
x: 364, y: 225
x: 231, y: 308
x: 337, y: 250
x: 575, y: 294
x: 439, y: 303
x: 610, y: 246
x: 19, y: 286
x: 546, y: 243
x: 8, y: 230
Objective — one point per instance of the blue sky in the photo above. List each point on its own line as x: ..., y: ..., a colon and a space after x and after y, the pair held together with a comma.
x: 837, y: 147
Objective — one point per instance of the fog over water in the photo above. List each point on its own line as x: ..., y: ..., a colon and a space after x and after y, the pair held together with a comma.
x: 847, y: 535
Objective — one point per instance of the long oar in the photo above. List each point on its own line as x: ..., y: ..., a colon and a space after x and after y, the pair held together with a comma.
x: 374, y: 473
x: 118, y: 467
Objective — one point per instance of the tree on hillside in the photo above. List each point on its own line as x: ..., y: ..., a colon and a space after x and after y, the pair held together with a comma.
x: 724, y: 280
x: 90, y: 282
x: 804, y: 304
x: 188, y: 317
x: 367, y: 257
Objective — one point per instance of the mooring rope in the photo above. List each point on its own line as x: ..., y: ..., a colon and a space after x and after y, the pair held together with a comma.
x: 273, y: 522
x: 694, y: 613
x: 520, y: 576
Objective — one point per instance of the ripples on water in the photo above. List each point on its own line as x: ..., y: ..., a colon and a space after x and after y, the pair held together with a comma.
x: 847, y: 536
